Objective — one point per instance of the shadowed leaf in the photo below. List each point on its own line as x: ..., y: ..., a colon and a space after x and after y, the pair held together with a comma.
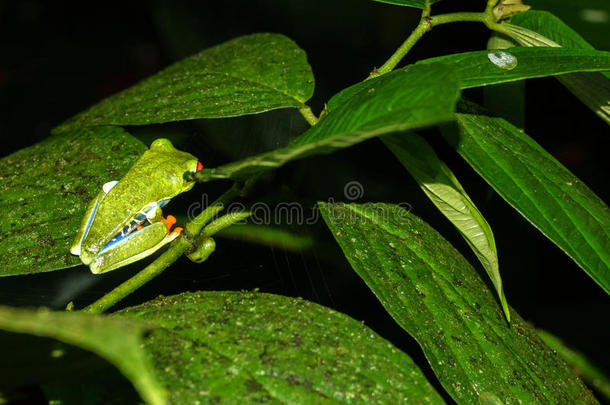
x: 45, y: 190
x: 246, y: 75
x: 397, y: 101
x: 546, y: 193
x: 119, y: 341
x: 240, y: 347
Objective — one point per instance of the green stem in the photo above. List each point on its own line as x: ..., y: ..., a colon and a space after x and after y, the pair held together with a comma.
x: 428, y: 22
x: 193, y: 228
x: 484, y: 17
x: 403, y: 49
x: 490, y: 5
x: 309, y: 116
x: 173, y: 253
x: 151, y: 271
x: 224, y: 222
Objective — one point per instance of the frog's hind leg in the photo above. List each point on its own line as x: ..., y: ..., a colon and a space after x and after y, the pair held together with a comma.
x: 134, y: 247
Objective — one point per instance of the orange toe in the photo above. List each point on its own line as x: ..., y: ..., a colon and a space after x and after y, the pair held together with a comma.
x: 169, y: 222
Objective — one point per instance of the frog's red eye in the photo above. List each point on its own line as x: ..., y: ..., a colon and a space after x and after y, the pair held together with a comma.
x: 199, y: 166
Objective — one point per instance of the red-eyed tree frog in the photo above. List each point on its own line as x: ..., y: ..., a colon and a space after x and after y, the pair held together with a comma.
x: 124, y: 222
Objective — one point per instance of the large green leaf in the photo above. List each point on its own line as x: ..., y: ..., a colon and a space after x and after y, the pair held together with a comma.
x: 45, y: 189
x: 398, y: 101
x: 541, y: 189
x: 247, y: 75
x: 475, y: 69
x: 445, y: 191
x: 593, y: 89
x: 438, y: 297
x: 119, y: 341
x: 240, y: 347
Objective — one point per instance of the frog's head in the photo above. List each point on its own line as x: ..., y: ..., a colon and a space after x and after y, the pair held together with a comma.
x: 178, y: 165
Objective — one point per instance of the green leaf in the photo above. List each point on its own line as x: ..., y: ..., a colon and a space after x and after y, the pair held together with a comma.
x: 588, y: 17
x: 551, y: 27
x: 45, y: 190
x: 243, y: 347
x: 593, y: 89
x: 438, y: 298
x: 475, y: 68
x: 541, y: 189
x: 408, y: 3
x: 119, y: 341
x: 581, y: 365
x: 447, y: 194
x: 398, y: 101
x: 247, y: 75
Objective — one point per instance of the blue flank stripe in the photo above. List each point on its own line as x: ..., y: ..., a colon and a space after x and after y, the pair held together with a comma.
x: 128, y: 230
x: 89, y: 222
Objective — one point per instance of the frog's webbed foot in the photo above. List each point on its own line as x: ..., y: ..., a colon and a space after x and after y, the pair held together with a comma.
x: 169, y: 222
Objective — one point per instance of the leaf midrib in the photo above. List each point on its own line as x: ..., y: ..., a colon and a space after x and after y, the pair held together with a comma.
x: 544, y: 214
x: 500, y: 336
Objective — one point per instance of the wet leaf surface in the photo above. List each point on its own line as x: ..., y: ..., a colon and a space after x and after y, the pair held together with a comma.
x: 45, y: 189
x: 438, y: 298
x: 241, y: 347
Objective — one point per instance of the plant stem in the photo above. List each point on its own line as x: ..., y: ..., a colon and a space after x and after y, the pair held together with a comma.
x: 428, y: 22
x: 151, y: 271
x: 173, y: 253
x: 490, y: 5
x: 484, y: 17
x: 224, y: 222
x: 193, y: 228
x: 309, y: 116
x: 403, y: 49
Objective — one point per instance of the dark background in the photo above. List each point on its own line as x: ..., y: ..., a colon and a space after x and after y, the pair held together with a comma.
x: 60, y: 57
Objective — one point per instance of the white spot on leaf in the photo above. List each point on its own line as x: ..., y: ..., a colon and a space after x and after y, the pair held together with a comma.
x: 502, y: 59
